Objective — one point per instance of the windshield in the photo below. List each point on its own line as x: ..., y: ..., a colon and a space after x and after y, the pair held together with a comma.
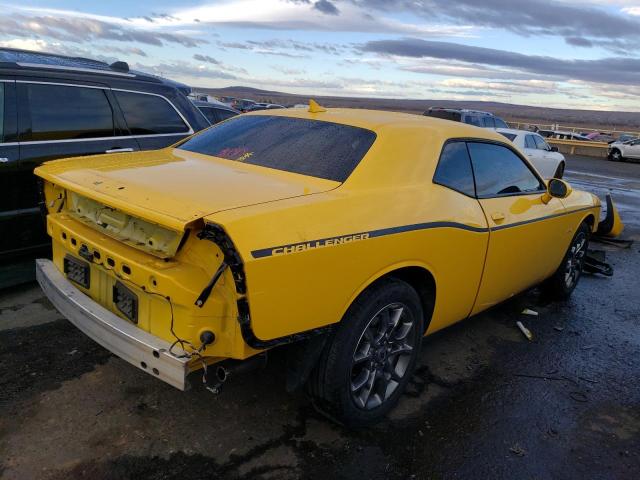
x: 308, y: 147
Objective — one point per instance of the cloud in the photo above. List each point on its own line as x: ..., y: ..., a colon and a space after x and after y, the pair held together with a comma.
x: 286, y: 70
x: 206, y: 58
x: 77, y: 29
x: 33, y: 44
x: 325, y: 6
x: 615, y: 70
x: 579, y: 41
x: 527, y: 18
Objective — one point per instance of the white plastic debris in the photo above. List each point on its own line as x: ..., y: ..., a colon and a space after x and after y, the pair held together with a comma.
x: 528, y: 311
x: 525, y: 331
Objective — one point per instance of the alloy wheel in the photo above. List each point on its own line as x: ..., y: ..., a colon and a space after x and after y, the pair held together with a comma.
x: 382, y: 356
x: 575, y: 260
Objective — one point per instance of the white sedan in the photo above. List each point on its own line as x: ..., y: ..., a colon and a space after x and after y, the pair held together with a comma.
x: 620, y: 150
x: 546, y: 159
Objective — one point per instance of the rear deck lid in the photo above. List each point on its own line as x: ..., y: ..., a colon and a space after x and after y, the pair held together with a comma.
x: 174, y: 187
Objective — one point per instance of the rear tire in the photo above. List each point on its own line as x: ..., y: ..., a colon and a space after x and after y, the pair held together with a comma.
x: 562, y: 283
x: 371, y: 356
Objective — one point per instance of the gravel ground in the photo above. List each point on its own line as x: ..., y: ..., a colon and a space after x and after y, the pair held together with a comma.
x: 484, y: 403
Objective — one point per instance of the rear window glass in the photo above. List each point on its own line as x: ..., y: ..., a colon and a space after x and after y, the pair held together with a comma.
x: 308, y: 147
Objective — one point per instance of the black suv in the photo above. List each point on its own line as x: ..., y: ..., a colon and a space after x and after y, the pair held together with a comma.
x: 53, y: 106
x: 471, y: 117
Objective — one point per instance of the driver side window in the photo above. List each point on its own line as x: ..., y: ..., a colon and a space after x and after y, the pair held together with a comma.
x: 499, y: 171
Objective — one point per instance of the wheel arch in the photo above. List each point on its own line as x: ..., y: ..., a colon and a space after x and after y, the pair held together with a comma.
x: 419, y: 276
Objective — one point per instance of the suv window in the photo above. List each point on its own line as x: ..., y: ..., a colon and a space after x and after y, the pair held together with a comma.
x: 488, y: 122
x: 149, y: 114
x: 454, y: 169
x: 61, y: 112
x: 444, y: 114
x: 499, y: 171
x: 540, y: 143
x: 308, y: 147
x: 472, y: 120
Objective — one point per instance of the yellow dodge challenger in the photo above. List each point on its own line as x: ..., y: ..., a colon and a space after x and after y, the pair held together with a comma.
x: 346, y: 234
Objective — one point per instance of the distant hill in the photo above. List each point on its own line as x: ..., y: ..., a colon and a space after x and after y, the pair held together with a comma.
x: 587, y: 119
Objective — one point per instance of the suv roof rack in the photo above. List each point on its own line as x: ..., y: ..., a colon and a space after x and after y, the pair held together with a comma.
x: 50, y: 61
x: 458, y: 109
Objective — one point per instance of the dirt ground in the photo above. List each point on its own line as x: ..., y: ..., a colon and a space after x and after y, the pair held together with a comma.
x: 484, y: 403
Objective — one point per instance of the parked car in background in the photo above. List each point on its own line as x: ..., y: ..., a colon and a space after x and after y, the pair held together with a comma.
x: 619, y: 151
x: 264, y: 106
x: 561, y: 135
x: 216, y: 111
x: 546, y: 159
x: 53, y: 106
x: 471, y: 117
x: 600, y: 137
x: 242, y: 104
x: 626, y: 137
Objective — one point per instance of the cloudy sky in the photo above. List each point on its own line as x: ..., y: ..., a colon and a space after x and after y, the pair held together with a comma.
x: 570, y: 53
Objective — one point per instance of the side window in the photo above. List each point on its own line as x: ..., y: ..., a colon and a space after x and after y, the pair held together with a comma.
x: 529, y: 142
x: 454, y: 169
x: 149, y: 114
x: 488, y: 122
x: 500, y: 123
x: 1, y: 112
x: 499, y: 171
x: 61, y: 112
x: 210, y: 114
x: 540, y: 143
x: 472, y: 120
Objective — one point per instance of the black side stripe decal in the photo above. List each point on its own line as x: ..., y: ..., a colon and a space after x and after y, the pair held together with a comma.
x: 353, y: 237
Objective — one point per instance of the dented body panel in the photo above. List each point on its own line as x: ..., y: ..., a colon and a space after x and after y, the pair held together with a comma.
x: 284, y: 255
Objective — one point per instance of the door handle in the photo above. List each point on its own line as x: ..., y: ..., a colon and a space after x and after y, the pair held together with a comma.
x: 497, y: 217
x: 118, y: 150
x: 4, y: 160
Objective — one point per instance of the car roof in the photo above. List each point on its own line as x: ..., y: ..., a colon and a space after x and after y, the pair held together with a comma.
x: 380, y: 120
x: 29, y: 61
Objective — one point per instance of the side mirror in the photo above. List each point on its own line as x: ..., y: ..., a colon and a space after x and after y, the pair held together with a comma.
x: 556, y: 188
x: 553, y: 149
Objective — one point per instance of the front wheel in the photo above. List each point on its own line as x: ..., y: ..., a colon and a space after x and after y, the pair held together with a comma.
x: 562, y: 283
x: 371, y: 356
x: 559, y: 171
x: 615, y: 155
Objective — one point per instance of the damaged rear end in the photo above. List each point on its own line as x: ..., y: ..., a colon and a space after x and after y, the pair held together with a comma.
x: 144, y: 275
